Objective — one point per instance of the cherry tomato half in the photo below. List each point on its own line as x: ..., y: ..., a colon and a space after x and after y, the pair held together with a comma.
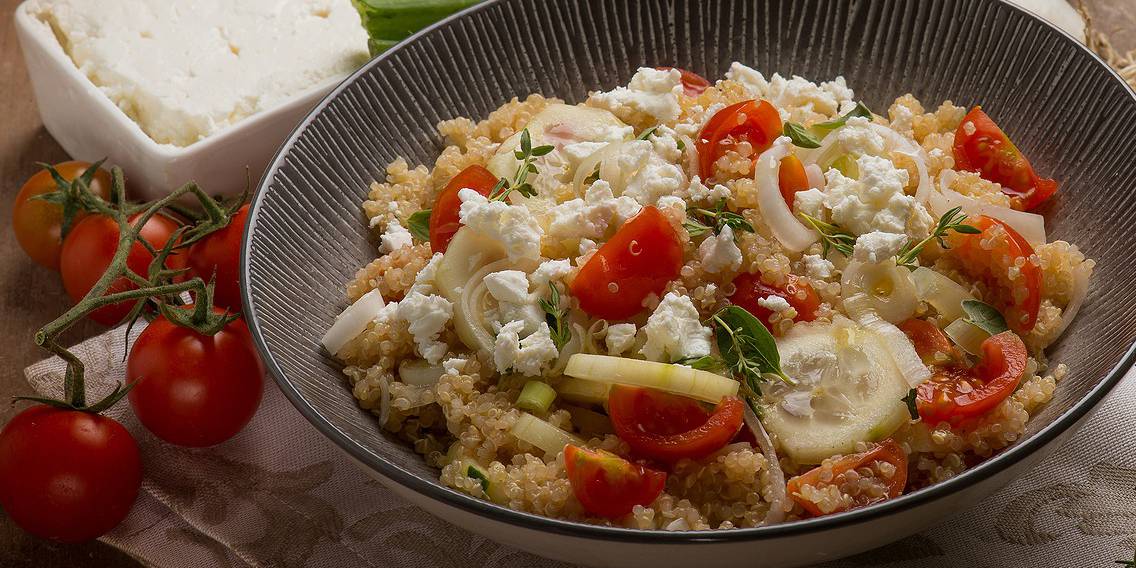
x: 194, y: 390
x: 981, y: 146
x: 38, y: 224
x: 642, y: 256
x: 608, y: 485
x: 67, y: 475
x: 444, y: 219
x: 885, y: 458
x: 791, y: 178
x: 956, y: 394
x: 931, y: 344
x: 219, y: 254
x: 755, y: 122
x: 797, y: 291
x: 1006, y: 262
x: 89, y: 249
x: 668, y: 427
x: 693, y: 84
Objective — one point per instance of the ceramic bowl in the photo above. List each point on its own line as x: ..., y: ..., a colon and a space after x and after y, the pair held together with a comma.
x: 1065, y: 108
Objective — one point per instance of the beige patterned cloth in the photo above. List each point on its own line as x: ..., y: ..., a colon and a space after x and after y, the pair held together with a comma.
x: 279, y: 494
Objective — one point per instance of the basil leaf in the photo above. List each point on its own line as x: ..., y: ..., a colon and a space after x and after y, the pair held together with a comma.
x: 910, y: 401
x: 419, y: 225
x: 861, y: 111
x: 985, y: 316
x: 800, y: 136
x: 741, y: 336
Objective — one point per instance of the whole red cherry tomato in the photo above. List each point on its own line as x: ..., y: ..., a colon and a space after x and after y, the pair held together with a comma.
x: 67, y: 475
x: 219, y: 254
x: 981, y: 146
x: 444, y: 219
x: 39, y: 224
x: 755, y: 122
x: 191, y: 389
x: 89, y: 249
x: 608, y: 485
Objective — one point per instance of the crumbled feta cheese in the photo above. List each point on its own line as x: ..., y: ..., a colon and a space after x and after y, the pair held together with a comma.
x: 620, y: 337
x: 508, y: 286
x: 651, y: 91
x: 454, y: 365
x: 590, y: 217
x: 797, y: 98
x: 427, y: 316
x: 817, y: 267
x: 699, y: 193
x: 675, y: 203
x: 394, y: 237
x: 527, y: 312
x: 878, y: 246
x: 424, y: 280
x: 548, y: 271
x: 587, y: 246
x: 719, y: 252
x: 675, y: 331
x: 526, y: 356
x: 856, y: 137
x: 751, y: 78
x: 875, y: 202
x: 811, y: 203
x: 513, y: 225
x: 921, y: 223
x: 774, y: 303
x: 647, y: 175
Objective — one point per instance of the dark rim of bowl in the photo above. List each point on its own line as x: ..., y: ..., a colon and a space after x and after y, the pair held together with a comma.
x: 985, y: 470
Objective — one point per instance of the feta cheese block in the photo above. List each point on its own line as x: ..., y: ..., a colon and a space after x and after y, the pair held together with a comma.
x: 185, y: 70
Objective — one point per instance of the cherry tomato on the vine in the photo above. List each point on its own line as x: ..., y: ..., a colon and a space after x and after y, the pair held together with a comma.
x: 38, y: 224
x: 219, y: 254
x: 67, y: 475
x: 191, y: 389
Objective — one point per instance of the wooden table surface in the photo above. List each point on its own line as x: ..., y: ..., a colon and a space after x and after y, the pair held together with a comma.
x: 30, y: 295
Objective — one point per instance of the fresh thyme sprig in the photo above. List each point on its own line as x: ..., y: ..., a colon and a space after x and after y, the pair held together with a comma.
x: 704, y: 363
x: 647, y: 133
x: 832, y: 237
x: 953, y: 220
x: 748, y: 350
x: 556, y: 316
x: 699, y: 220
x: 520, y: 183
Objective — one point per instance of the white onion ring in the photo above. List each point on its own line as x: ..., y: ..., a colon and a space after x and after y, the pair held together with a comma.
x: 895, y: 341
x: 777, y: 504
x: 860, y: 278
x: 1030, y: 226
x: 791, y: 232
x: 588, y: 165
x: 1081, y: 276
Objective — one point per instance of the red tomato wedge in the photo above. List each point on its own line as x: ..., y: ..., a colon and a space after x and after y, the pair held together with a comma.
x: 1006, y: 262
x: 981, y: 147
x: 608, y: 485
x: 693, y: 84
x: 642, y: 256
x: 444, y: 221
x: 956, y: 394
x: 839, y: 470
x: 797, y: 291
x: 931, y: 344
x: 755, y: 122
x: 668, y: 427
x: 792, y: 178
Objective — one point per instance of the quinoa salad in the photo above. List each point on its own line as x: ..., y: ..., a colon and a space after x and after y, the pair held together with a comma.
x: 686, y: 305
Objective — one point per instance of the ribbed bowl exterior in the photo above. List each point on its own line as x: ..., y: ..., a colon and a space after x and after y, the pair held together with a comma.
x: 1065, y: 109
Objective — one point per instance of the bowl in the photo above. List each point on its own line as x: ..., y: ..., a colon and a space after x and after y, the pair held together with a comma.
x: 307, y: 236
x: 89, y: 126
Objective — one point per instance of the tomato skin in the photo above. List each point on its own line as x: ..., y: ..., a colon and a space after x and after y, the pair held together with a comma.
x: 797, y: 291
x: 67, y: 475
x: 219, y: 254
x: 887, y: 451
x: 756, y: 122
x: 444, y: 219
x: 956, y: 395
x: 791, y: 178
x: 640, y: 259
x: 933, y: 347
x: 194, y: 390
x: 667, y: 427
x: 608, y: 485
x: 89, y: 249
x: 38, y: 224
x: 693, y: 84
x: 986, y: 150
x: 994, y: 267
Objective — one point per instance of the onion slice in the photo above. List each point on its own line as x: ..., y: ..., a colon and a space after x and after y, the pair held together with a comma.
x: 815, y: 176
x: 1030, y: 226
x: 419, y: 373
x: 353, y: 321
x: 1080, y: 291
x: 887, y: 288
x: 779, y: 497
x: 794, y: 235
x: 859, y: 306
x: 589, y: 165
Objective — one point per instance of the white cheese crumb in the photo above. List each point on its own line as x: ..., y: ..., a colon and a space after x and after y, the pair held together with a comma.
x: 719, y: 252
x: 878, y: 246
x: 424, y: 281
x: 620, y: 338
x: 774, y: 303
x: 674, y: 331
x: 394, y: 237
x: 427, y: 316
x: 590, y: 217
x: 817, y: 267
x: 874, y: 202
x: 525, y: 356
x: 512, y: 225
x: 651, y: 91
x: 587, y: 246
x: 549, y: 271
x: 508, y: 286
x: 699, y: 193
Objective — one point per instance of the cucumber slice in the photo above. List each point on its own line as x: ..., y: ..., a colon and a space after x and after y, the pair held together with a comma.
x: 677, y: 379
x: 493, y: 491
x: 849, y: 390
x: 389, y: 21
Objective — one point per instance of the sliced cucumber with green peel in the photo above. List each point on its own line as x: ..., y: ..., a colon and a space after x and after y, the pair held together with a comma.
x: 390, y: 21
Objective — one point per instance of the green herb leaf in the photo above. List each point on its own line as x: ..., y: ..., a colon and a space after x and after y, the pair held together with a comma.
x: 475, y: 473
x: 520, y: 183
x: 952, y: 220
x: 910, y: 399
x: 704, y: 363
x: 680, y: 144
x: 647, y: 133
x: 861, y: 111
x: 748, y: 348
x: 832, y: 237
x: 700, y: 220
x: 695, y: 228
x: 419, y: 225
x: 556, y: 316
x: 985, y: 316
x: 800, y: 135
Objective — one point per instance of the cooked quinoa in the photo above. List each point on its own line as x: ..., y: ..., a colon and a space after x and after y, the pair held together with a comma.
x: 444, y: 368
